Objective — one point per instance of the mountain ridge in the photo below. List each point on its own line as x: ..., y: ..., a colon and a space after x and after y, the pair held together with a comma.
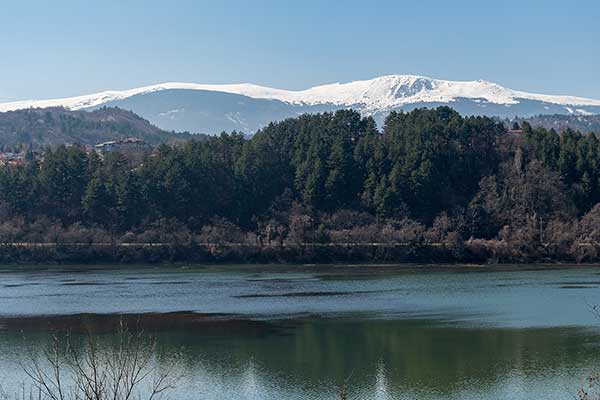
x: 213, y: 108
x: 379, y: 92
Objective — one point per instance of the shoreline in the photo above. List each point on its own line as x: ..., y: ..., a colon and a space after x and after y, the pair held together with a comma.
x: 75, y: 267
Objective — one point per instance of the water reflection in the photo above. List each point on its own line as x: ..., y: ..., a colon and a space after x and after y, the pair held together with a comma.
x: 381, y: 359
x: 381, y: 391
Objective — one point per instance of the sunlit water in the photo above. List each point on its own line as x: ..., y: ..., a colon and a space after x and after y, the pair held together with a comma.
x: 300, y: 332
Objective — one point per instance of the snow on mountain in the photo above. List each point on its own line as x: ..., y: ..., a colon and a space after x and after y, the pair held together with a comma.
x: 370, y: 96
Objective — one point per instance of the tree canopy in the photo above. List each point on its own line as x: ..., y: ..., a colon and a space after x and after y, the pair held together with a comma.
x: 428, y: 171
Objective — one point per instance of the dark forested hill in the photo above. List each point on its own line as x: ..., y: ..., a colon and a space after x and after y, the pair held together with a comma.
x: 56, y: 126
x: 430, y: 185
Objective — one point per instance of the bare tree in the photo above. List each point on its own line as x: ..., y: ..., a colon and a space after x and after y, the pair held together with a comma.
x: 124, y: 370
x: 591, y: 389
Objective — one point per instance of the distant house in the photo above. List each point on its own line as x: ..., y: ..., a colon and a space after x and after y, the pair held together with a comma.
x: 125, y: 144
x: 11, y: 159
x: 516, y: 132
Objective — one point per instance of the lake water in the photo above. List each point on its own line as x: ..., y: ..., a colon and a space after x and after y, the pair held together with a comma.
x: 299, y: 332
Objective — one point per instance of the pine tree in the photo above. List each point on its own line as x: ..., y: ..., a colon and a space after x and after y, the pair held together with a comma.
x: 339, y: 187
x: 97, y: 203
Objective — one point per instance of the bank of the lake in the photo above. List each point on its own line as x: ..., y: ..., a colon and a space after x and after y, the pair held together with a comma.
x: 472, y: 251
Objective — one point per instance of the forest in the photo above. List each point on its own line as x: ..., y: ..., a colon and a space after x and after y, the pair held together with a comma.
x: 430, y: 185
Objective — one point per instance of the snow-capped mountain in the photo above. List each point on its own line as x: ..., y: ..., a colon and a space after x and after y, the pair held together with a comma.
x: 247, y: 107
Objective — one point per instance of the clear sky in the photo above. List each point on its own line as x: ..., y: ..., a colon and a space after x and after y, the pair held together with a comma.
x: 58, y: 48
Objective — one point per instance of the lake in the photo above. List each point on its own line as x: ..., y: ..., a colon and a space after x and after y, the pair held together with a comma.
x: 299, y: 332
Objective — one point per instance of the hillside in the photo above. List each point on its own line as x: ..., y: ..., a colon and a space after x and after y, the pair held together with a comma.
x: 583, y: 123
x: 57, y: 125
x: 432, y: 185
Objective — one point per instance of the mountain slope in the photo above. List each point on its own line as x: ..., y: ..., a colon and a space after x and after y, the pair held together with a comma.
x: 211, y: 112
x: 54, y: 126
x: 247, y: 107
x: 582, y: 123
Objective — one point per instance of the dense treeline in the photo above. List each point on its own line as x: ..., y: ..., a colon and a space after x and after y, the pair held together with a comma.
x: 432, y: 185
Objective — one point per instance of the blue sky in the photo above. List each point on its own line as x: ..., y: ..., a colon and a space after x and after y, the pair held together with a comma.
x: 63, y: 48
